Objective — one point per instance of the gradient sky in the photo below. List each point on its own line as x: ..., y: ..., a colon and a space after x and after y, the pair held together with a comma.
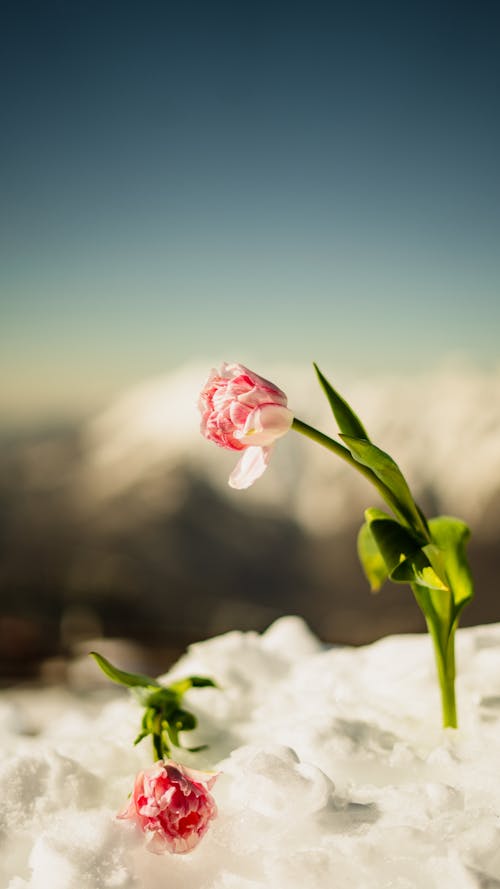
x: 243, y: 181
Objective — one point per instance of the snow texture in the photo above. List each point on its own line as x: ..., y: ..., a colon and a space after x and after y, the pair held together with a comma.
x: 334, y: 772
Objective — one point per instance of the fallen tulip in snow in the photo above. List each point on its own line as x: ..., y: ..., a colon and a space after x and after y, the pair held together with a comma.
x: 172, y: 805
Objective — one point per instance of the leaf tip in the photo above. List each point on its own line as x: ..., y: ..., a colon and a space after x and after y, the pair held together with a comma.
x: 320, y: 375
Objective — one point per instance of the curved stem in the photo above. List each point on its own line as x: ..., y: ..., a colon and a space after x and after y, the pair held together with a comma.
x: 345, y: 454
x: 441, y: 629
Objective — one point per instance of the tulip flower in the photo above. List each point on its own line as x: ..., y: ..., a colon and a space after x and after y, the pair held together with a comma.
x: 172, y: 806
x: 241, y: 411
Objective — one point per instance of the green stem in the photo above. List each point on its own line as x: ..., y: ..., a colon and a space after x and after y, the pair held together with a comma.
x: 344, y: 454
x: 443, y: 635
x: 444, y: 650
x: 157, y: 746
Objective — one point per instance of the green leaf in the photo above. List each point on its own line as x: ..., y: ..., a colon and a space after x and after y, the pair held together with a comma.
x: 451, y: 536
x: 183, y: 685
x: 170, y: 732
x: 347, y: 420
x: 371, y: 558
x: 141, y: 736
x: 417, y: 569
x: 373, y: 513
x: 160, y: 747
x: 163, y: 717
x: 388, y: 472
x: 437, y: 608
x: 131, y: 680
x: 437, y: 560
x: 395, y: 542
x: 202, y: 682
x: 162, y: 698
x: 405, y: 560
x: 442, y: 603
x: 183, y: 721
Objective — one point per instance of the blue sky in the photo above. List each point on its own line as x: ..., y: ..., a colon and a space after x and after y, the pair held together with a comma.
x: 243, y: 181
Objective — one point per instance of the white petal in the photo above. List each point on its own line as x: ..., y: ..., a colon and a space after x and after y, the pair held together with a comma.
x: 252, y: 464
x: 265, y: 424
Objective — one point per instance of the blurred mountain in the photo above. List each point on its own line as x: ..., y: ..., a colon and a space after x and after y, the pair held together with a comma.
x: 126, y: 526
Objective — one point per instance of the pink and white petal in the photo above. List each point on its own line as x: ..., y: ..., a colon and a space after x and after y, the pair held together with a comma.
x: 131, y: 810
x: 238, y: 414
x: 157, y: 842
x: 204, y: 778
x: 229, y: 370
x: 252, y: 464
x: 262, y: 395
x: 232, y: 371
x: 265, y: 424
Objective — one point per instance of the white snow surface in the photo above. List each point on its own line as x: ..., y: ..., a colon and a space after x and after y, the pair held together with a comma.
x: 334, y: 772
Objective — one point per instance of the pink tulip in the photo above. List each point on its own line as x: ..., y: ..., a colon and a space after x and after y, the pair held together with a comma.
x: 243, y: 412
x: 172, y: 806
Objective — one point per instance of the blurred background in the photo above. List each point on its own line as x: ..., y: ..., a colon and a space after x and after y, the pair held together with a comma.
x: 269, y: 183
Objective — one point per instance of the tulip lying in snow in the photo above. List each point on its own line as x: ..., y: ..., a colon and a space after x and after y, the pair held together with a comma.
x: 242, y: 411
x: 172, y: 805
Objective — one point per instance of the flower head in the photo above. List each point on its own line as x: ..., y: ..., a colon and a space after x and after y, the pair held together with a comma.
x: 172, y: 805
x: 243, y: 412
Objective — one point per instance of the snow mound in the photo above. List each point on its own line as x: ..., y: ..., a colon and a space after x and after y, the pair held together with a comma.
x: 334, y: 772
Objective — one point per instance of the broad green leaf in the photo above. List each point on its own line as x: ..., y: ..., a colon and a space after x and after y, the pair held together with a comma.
x: 371, y: 559
x: 451, y: 536
x: 417, y: 569
x: 131, y: 680
x: 437, y: 560
x: 347, y: 420
x: 394, y: 542
x: 390, y: 474
x: 405, y: 560
x: 373, y: 513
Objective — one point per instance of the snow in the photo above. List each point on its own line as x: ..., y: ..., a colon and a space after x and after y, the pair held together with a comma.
x: 334, y: 772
